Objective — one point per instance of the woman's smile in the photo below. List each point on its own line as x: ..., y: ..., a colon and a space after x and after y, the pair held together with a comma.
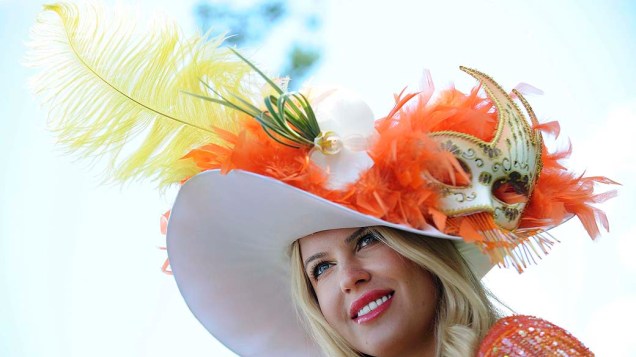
x: 371, y: 305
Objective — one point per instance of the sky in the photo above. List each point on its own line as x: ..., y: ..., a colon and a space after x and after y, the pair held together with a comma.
x: 80, y: 261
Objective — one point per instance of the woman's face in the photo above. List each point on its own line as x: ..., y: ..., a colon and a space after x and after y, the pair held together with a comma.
x: 380, y: 302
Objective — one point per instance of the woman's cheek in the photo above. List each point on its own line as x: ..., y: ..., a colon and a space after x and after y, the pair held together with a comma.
x: 328, y: 300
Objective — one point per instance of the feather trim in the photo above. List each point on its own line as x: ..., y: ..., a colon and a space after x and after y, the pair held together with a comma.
x: 560, y: 194
x: 395, y: 190
x: 106, y: 83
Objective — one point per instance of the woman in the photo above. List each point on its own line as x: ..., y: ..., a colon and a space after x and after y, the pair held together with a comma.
x: 452, y: 186
x: 441, y: 308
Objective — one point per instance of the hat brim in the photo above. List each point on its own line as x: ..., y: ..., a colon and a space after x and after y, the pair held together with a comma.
x: 228, y: 241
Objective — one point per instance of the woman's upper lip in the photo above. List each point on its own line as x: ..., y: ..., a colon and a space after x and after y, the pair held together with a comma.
x: 366, y: 298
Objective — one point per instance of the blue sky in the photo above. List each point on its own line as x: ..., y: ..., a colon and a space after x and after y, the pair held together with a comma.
x: 79, y: 264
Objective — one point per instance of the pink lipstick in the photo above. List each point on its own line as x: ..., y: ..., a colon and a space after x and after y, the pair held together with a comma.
x: 371, y: 305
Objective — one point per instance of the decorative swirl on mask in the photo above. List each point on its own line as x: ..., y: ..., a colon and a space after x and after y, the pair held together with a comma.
x: 507, y: 165
x: 469, y: 154
x: 461, y: 197
x: 510, y: 213
x: 521, y: 166
x: 491, y: 151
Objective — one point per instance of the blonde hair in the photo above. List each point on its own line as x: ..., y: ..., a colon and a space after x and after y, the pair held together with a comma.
x: 464, y: 312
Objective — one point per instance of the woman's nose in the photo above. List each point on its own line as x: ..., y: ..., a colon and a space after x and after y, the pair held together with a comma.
x: 352, y: 275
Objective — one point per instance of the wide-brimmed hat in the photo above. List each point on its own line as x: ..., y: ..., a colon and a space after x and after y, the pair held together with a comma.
x: 261, y: 166
x: 228, y: 243
x: 230, y: 233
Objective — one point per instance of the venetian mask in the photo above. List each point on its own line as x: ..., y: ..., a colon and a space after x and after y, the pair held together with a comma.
x: 510, y: 163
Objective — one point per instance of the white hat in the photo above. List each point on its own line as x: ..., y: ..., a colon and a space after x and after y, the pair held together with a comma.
x: 228, y: 242
x: 229, y: 234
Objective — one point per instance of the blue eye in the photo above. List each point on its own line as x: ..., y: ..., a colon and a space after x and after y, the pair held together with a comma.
x: 366, y: 240
x: 319, y: 269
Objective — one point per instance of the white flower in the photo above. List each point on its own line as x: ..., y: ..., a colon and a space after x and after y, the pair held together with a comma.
x: 347, y: 128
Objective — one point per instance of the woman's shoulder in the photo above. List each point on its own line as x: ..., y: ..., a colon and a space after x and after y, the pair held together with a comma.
x: 521, y: 335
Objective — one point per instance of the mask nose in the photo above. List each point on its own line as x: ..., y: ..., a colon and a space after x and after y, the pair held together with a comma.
x: 352, y: 275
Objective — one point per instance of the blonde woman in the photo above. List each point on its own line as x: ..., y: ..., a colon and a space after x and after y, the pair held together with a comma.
x: 383, y: 292
x: 375, y: 233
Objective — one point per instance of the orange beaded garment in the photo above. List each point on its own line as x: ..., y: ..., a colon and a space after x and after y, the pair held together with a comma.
x: 522, y: 335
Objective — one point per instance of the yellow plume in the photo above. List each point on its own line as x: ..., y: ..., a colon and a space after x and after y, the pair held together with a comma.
x: 115, y: 92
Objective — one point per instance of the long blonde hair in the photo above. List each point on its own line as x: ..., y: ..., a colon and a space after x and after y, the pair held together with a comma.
x: 464, y: 312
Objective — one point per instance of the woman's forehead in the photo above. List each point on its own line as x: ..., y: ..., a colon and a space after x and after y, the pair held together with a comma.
x: 325, y: 239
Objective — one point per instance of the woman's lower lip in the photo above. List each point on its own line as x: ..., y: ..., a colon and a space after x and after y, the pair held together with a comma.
x: 375, y: 313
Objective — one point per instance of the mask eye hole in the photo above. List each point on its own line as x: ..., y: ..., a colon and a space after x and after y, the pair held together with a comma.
x: 511, y: 189
x: 456, y: 177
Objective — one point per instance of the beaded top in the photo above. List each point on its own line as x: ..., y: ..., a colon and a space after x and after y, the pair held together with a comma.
x: 521, y: 335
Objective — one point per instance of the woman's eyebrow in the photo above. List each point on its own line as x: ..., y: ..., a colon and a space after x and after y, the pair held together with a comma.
x: 314, y: 257
x: 348, y: 240
x: 355, y: 235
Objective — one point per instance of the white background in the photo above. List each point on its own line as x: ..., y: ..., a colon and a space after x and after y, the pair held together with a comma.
x: 79, y: 261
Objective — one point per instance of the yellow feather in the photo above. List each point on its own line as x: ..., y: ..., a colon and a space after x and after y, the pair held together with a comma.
x: 117, y: 92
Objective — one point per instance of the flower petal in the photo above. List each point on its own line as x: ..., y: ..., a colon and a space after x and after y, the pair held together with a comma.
x: 345, y: 114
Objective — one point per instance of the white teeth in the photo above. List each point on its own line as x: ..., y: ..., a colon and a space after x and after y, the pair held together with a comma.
x: 373, y: 305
